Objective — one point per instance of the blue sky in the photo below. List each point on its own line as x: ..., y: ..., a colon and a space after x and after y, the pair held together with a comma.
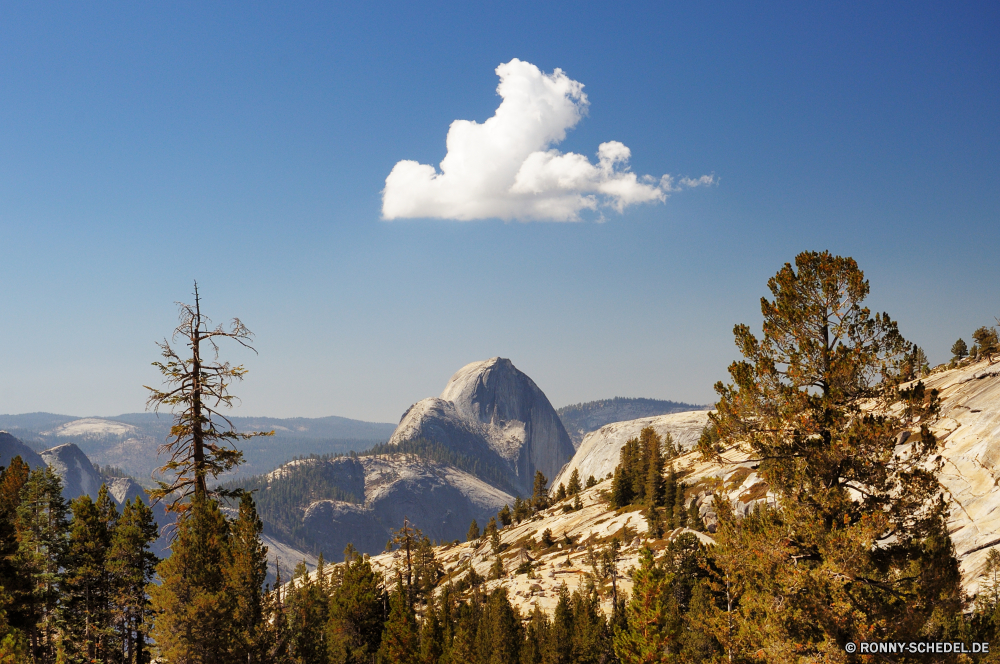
x: 247, y: 146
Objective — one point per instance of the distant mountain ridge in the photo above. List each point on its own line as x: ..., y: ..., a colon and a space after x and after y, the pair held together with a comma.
x: 582, y: 418
x: 129, y: 441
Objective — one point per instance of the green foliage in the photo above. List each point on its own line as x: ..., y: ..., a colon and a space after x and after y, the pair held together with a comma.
x: 244, y: 579
x: 986, y: 340
x: 539, y: 495
x: 959, y: 350
x: 638, y: 478
x: 131, y: 566
x: 42, y: 531
x: 191, y: 602
x: 473, y: 533
x: 354, y: 627
x: 574, y: 487
x: 859, y: 532
x: 591, y: 481
x: 505, y: 516
x: 560, y: 493
x: 647, y: 638
x: 86, y: 585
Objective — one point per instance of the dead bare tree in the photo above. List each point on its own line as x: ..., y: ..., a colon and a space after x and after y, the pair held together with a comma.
x: 202, y: 441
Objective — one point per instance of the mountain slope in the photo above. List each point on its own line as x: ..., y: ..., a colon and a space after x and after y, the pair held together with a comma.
x: 324, y: 504
x: 600, y: 451
x: 582, y: 418
x: 495, y: 413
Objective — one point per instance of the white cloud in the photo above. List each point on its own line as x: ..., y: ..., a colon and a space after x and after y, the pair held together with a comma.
x: 506, y: 167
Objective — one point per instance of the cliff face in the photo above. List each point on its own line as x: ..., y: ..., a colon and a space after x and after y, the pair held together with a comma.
x: 76, y: 470
x: 437, y: 498
x: 600, y: 450
x: 11, y: 447
x: 493, y: 412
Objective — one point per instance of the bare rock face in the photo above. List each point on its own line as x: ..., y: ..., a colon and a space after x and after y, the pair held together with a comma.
x: 600, y: 450
x: 11, y: 447
x: 437, y: 498
x: 494, y: 413
x: 75, y: 469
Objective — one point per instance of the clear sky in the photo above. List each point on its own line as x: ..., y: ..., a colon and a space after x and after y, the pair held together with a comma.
x: 248, y: 145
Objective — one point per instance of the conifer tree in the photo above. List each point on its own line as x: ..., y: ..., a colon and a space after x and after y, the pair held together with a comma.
x: 245, y: 575
x: 646, y: 639
x: 307, y: 609
x: 986, y: 339
x: 400, y: 639
x: 86, y: 589
x: 574, y: 487
x: 539, y: 495
x: 559, y: 648
x: 463, y: 644
x: 670, y: 498
x: 505, y: 516
x: 192, y: 602
x: 499, y: 635
x: 131, y: 567
x: 354, y: 628
x: 653, y: 463
x: 14, y: 601
x: 959, y: 350
x: 42, y: 529
x: 473, y: 533
x: 536, y: 638
x: 591, y: 638
x: 522, y: 510
x: 821, y: 401
x: 560, y: 493
x: 202, y: 439
x: 431, y: 636
x: 591, y: 481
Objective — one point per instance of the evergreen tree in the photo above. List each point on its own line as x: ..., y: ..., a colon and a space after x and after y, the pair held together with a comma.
x: 86, y: 588
x: 574, y: 487
x: 400, y: 638
x: 646, y: 640
x: 591, y: 637
x: 354, y: 628
x: 821, y: 400
x: 42, y: 531
x: 244, y: 576
x: 192, y: 603
x: 559, y: 648
x: 431, y: 636
x: 670, y: 498
x: 473, y: 533
x: 591, y: 481
x: 14, y: 600
x: 653, y: 464
x: 560, y: 493
x: 505, y: 516
x: 522, y: 510
x: 499, y: 635
x: 463, y: 644
x: 131, y: 567
x: 536, y: 638
x: 307, y: 610
x: 959, y: 350
x: 426, y: 570
x: 539, y: 495
x: 986, y: 339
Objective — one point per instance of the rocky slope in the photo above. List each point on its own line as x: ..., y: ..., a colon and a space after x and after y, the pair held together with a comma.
x: 599, y: 453
x: 582, y: 418
x: 11, y: 447
x: 969, y: 431
x: 375, y: 494
x: 494, y: 413
x: 75, y: 469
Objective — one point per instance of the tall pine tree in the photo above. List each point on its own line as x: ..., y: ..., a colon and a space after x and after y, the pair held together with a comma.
x: 131, y: 567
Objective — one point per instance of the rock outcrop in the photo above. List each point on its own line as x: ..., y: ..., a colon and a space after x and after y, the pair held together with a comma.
x: 492, y: 412
x: 438, y: 498
x: 599, y: 453
x: 75, y: 469
x: 11, y: 447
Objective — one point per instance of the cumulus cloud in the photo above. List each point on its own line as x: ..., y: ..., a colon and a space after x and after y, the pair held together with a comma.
x: 507, y: 166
